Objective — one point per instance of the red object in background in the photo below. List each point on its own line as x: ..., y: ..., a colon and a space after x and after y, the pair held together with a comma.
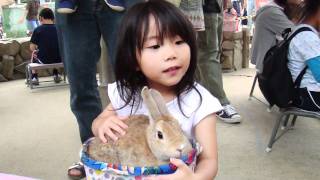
x: 230, y: 20
x: 260, y: 3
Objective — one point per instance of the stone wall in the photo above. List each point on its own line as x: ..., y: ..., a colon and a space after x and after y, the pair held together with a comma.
x: 14, y: 55
x: 235, y: 50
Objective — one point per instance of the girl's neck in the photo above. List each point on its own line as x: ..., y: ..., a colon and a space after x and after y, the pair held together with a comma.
x: 167, y: 92
x: 312, y: 22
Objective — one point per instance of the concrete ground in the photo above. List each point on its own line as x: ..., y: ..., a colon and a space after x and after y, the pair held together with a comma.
x: 39, y: 136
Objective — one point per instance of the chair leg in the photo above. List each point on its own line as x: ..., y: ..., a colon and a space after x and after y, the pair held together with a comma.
x: 293, y: 122
x: 30, y: 75
x: 27, y: 76
x: 274, y: 133
x: 64, y: 75
x: 285, y: 122
x: 253, y: 86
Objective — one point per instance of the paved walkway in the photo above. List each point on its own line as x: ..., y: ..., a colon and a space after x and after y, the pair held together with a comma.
x: 39, y: 136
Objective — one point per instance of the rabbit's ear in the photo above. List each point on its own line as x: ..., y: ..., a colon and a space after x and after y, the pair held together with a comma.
x: 161, y: 104
x: 150, y: 103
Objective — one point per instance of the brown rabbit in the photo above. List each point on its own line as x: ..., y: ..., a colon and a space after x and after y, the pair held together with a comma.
x: 149, y: 141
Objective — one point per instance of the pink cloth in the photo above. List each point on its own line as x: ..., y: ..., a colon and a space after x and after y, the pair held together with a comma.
x: 231, y: 21
x: 13, y: 177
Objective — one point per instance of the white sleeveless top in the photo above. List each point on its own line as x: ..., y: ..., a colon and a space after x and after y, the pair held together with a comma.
x: 190, y: 104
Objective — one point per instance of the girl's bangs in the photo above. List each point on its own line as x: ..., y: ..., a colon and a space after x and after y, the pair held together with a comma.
x: 167, y: 26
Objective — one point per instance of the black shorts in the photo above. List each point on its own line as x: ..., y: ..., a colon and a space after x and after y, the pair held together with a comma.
x: 304, y: 101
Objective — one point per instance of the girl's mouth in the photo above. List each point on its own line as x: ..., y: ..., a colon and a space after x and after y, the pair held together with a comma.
x: 172, y: 71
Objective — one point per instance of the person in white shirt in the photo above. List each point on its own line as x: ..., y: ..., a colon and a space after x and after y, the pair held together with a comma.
x: 304, y: 51
x: 157, y: 48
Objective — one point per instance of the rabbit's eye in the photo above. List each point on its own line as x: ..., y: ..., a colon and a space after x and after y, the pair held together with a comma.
x: 160, y: 136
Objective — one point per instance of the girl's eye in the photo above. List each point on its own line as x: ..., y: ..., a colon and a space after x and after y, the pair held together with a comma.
x: 180, y: 42
x: 154, y: 47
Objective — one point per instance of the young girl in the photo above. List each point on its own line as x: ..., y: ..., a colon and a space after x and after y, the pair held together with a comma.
x: 157, y: 48
x: 304, y: 51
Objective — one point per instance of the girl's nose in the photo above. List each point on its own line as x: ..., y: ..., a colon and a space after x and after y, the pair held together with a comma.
x: 170, y: 52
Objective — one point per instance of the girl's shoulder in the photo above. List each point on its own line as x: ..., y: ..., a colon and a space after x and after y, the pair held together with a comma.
x: 203, y: 96
x: 200, y: 89
x: 114, y: 96
x: 119, y: 104
x: 306, y: 44
x: 305, y: 39
x: 199, y: 103
x: 305, y: 35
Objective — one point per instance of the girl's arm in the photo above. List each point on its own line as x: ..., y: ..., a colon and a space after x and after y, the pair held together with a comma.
x: 107, y: 124
x: 314, y: 66
x: 205, y: 133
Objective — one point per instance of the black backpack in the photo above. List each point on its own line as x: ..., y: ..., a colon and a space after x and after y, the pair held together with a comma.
x: 275, y: 81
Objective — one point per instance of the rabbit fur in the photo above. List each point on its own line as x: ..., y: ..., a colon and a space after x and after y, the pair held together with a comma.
x: 149, y: 140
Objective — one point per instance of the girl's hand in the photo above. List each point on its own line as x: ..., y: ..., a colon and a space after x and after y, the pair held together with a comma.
x: 183, y: 172
x: 112, y: 126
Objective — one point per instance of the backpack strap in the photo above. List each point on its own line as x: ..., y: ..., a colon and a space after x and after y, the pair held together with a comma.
x: 297, y: 32
x: 285, y: 33
x: 297, y: 82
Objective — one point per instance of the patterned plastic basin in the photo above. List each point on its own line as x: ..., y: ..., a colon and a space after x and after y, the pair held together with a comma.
x: 96, y: 170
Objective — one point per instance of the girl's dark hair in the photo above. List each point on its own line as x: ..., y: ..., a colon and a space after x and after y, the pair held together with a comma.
x: 134, y: 29
x: 293, y: 11
x: 310, y: 8
x: 281, y: 3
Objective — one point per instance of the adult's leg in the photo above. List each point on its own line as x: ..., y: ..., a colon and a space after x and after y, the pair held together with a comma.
x: 209, y: 56
x: 109, y: 21
x: 80, y: 37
